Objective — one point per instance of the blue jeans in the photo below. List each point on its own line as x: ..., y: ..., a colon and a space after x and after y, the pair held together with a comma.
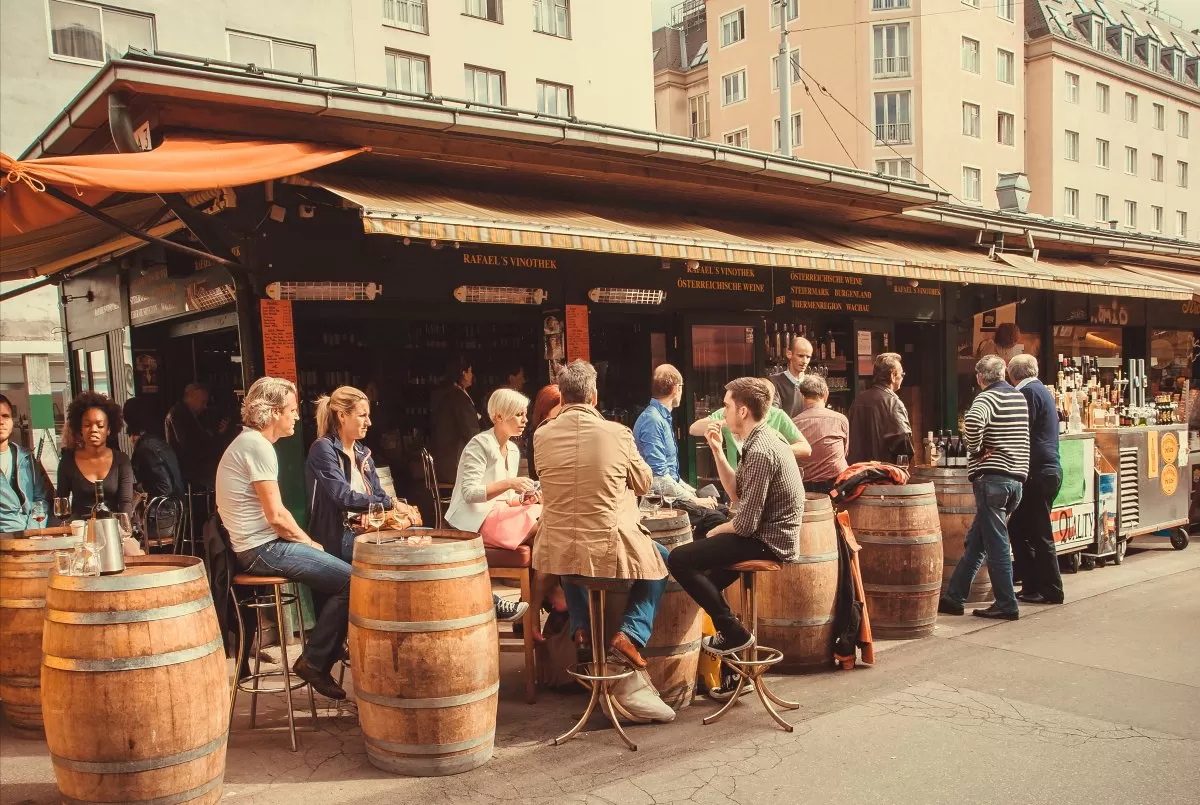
x: 640, y: 607
x: 996, y: 497
x: 329, y: 578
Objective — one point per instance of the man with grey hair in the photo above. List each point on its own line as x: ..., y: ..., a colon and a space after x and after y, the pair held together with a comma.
x: 996, y: 430
x: 1034, y: 558
x: 879, y: 428
x: 826, y: 430
x: 265, y: 536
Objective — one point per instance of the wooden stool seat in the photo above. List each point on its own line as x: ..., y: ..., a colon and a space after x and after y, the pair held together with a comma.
x: 250, y: 580
x: 756, y: 566
x: 521, y: 556
x: 517, y: 565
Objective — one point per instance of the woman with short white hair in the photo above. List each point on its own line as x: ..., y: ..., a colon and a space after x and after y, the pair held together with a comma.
x: 487, y: 473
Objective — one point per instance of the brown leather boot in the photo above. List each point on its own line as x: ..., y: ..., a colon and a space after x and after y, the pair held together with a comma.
x: 624, y: 647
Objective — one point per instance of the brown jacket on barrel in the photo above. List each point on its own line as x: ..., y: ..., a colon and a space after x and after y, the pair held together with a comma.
x: 591, y: 475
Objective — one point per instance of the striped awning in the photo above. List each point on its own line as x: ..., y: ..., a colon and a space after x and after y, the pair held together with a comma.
x: 452, y: 214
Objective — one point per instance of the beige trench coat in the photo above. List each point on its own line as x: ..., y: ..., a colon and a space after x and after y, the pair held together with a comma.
x: 591, y: 475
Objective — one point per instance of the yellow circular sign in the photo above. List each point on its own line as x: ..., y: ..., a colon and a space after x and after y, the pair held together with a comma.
x: 1169, y: 479
x: 1169, y: 448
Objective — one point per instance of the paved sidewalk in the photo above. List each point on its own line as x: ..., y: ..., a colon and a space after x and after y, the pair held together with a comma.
x: 1096, y: 702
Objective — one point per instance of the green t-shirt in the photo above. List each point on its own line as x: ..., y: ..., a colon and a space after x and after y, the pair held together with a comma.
x: 777, y: 420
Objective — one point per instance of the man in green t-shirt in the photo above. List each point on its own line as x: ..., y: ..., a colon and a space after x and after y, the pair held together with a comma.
x: 776, y: 419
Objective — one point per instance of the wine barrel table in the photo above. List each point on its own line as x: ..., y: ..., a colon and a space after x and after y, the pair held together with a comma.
x: 901, y: 558
x: 673, y: 653
x: 956, y: 511
x: 135, y: 694
x: 425, y: 651
x: 796, y: 606
x: 25, y: 566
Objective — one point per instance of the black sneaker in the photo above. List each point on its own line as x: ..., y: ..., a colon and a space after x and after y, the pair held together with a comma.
x: 996, y: 614
x: 321, y: 681
x: 722, y: 644
x: 509, y: 611
x: 948, y: 607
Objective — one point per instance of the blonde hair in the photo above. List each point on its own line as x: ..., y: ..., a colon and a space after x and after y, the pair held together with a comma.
x: 344, y: 399
x: 266, y: 395
x: 506, y: 402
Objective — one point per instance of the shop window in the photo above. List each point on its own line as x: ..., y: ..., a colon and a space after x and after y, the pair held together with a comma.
x: 90, y: 33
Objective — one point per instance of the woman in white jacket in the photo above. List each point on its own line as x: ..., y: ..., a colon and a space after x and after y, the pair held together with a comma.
x: 487, y: 473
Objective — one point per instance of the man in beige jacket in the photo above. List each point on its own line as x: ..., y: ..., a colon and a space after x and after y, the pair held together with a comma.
x: 591, y: 474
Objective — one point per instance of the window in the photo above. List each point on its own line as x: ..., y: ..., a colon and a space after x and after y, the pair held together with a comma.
x: 552, y: 17
x: 891, y: 50
x: 899, y: 168
x: 1006, y: 9
x: 698, y: 116
x: 969, y: 55
x: 1184, y: 120
x: 407, y: 72
x: 733, y: 27
x: 555, y: 99
x: 484, y: 86
x: 972, y: 3
x: 797, y: 135
x: 1006, y: 70
x: 971, y: 184
x: 1131, y: 160
x: 1131, y: 214
x: 1160, y: 117
x: 94, y: 34
x: 1102, y: 97
x: 1131, y: 107
x: 1071, y: 146
x: 970, y: 119
x: 739, y: 138
x: 733, y: 88
x: 1102, y: 208
x: 1006, y: 128
x: 485, y: 9
x: 1072, y: 90
x: 893, y: 121
x: 794, y: 61
x: 263, y: 51
x: 1181, y: 173
x: 1156, y: 167
x: 1070, y: 202
x: 409, y: 14
x: 1181, y: 223
x: 1156, y: 219
x: 887, y: 5
x: 1102, y: 153
x: 793, y: 11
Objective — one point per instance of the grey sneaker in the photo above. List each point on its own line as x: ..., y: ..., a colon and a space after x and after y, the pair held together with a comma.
x: 509, y: 611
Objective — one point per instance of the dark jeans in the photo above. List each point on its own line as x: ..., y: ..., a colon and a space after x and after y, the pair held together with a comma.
x: 699, y: 567
x: 996, y: 497
x: 1034, y: 558
x: 329, y: 578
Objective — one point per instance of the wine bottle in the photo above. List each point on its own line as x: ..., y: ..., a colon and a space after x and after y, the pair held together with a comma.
x: 100, y: 510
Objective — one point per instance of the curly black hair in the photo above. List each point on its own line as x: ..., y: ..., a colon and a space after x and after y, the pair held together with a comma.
x: 87, y: 400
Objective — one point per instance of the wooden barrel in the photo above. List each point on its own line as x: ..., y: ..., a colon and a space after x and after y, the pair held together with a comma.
x: 796, y: 605
x: 25, y: 566
x: 901, y: 558
x: 134, y: 686
x: 425, y: 652
x: 956, y: 511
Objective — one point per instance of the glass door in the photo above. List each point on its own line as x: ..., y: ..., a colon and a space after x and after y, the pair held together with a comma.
x: 91, y: 365
x: 717, y: 354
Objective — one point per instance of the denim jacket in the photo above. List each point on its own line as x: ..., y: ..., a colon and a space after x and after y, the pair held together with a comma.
x: 330, y: 498
x: 30, y: 484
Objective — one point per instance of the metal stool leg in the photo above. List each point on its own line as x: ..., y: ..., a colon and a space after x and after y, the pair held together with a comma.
x: 258, y: 638
x: 287, y: 668
x: 312, y: 702
x: 241, y: 653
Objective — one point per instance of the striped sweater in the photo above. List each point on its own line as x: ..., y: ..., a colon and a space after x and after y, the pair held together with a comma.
x: 997, y: 433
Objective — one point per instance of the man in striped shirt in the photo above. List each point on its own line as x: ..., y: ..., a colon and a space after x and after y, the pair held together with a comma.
x: 997, y: 436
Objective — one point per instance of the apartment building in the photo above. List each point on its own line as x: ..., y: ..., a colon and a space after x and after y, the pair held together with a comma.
x: 560, y: 57
x: 928, y: 90
x: 1114, y: 117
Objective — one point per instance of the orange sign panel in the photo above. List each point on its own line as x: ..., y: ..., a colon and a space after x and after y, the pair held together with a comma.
x: 578, y: 338
x: 279, y: 338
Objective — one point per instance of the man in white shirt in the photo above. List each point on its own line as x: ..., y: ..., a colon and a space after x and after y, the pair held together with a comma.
x: 267, y: 539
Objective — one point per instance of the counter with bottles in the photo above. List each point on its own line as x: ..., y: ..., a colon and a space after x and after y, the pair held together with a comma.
x: 1144, y: 471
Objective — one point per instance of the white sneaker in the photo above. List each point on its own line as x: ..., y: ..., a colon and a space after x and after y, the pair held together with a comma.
x: 637, y: 696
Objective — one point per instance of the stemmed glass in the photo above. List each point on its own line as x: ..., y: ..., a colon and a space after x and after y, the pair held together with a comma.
x: 375, y: 520
x: 62, y: 509
x: 39, y: 512
x: 124, y: 525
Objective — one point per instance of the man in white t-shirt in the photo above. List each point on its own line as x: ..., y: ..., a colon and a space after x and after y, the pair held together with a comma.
x: 267, y: 539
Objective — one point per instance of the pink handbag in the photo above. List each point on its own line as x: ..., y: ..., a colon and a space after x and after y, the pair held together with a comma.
x: 509, y: 527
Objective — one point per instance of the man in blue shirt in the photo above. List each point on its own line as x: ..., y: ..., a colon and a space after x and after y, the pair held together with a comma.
x: 654, y: 432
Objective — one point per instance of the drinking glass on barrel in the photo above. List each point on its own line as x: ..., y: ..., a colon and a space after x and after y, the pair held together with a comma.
x: 62, y: 508
x: 375, y: 519
x: 39, y: 512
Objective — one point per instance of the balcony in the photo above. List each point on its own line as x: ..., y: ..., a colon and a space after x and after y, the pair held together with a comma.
x: 893, y: 67
x: 893, y: 133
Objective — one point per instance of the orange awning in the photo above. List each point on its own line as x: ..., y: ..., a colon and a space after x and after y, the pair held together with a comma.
x: 178, y: 165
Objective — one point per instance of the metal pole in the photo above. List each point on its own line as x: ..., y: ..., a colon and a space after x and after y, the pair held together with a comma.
x: 785, y: 84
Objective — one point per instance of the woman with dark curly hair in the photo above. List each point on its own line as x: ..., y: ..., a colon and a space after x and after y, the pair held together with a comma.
x: 92, y: 420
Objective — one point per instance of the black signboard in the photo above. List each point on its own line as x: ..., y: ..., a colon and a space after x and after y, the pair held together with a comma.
x: 715, y: 286
x: 1113, y: 311
x: 838, y: 294
x: 1070, y: 308
x: 153, y: 296
x: 95, y: 303
x: 1174, y: 314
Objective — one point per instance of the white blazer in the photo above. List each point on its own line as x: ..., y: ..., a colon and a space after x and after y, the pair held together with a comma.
x: 480, y: 466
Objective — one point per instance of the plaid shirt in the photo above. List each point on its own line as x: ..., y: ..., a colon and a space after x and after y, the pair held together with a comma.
x: 770, y: 494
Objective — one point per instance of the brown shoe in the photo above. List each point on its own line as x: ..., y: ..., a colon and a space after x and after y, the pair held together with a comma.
x: 623, y: 646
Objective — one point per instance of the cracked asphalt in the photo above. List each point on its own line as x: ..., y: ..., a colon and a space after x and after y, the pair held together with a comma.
x: 1096, y: 701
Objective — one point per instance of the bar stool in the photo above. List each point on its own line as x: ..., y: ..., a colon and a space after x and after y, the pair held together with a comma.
x: 755, y: 660
x: 278, y: 600
x: 597, y: 675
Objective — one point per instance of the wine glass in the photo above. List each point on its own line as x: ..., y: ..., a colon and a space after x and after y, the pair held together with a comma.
x: 39, y: 512
x: 124, y: 525
x: 375, y: 519
x: 62, y: 509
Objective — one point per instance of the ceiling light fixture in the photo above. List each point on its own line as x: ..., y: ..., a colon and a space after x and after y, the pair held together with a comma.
x: 499, y: 295
x: 627, y: 296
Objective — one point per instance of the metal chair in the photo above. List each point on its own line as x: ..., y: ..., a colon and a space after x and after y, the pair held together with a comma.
x: 439, y: 493
x: 162, y: 523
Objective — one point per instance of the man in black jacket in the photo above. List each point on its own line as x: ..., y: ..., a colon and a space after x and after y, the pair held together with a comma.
x: 1034, y: 557
x: 155, y: 465
x: 194, y: 444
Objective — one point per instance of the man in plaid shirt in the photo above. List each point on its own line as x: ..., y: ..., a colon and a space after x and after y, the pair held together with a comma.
x: 769, y: 495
